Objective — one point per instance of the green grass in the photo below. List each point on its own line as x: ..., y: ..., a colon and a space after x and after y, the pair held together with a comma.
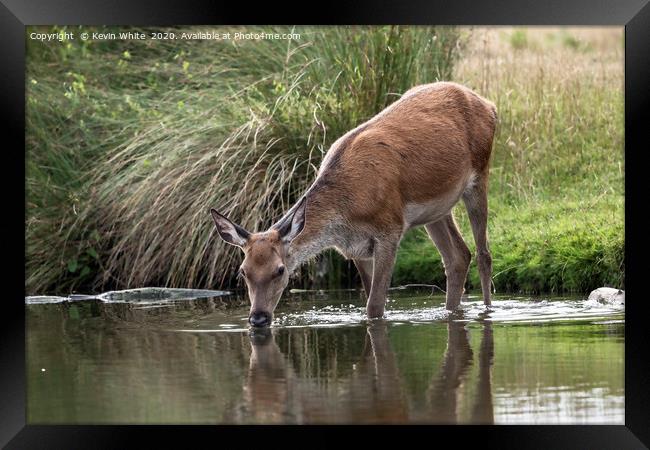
x: 546, y: 247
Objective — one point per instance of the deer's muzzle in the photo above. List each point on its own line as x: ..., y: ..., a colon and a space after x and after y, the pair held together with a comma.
x: 259, y: 319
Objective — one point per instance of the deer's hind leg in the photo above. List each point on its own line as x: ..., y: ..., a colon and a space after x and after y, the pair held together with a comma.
x: 455, y: 256
x: 476, y: 202
x: 364, y: 267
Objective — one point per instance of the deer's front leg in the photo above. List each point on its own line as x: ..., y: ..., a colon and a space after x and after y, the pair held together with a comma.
x: 384, y: 261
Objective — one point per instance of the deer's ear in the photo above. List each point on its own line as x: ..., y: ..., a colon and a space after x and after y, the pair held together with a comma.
x: 228, y: 230
x: 293, y: 222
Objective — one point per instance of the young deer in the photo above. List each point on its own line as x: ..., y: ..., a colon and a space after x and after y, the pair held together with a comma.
x: 407, y: 166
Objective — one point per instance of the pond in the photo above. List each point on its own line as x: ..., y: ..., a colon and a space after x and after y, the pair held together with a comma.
x: 189, y: 357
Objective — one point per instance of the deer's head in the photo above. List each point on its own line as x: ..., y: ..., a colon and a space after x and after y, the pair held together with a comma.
x: 264, y: 268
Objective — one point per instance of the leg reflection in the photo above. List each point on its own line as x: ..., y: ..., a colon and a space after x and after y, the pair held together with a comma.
x: 443, y: 391
x: 377, y: 394
x: 447, y: 389
x: 483, y: 411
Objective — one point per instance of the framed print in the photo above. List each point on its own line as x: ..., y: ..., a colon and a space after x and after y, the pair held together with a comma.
x: 414, y: 216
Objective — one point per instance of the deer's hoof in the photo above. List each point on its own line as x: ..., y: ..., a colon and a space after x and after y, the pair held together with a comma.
x: 375, y: 313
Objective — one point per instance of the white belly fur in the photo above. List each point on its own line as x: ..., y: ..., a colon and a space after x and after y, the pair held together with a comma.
x: 416, y: 214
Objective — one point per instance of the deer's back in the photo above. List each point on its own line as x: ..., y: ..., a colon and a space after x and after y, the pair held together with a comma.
x: 421, y: 148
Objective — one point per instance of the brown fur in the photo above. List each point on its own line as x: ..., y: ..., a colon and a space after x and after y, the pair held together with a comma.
x: 413, y: 151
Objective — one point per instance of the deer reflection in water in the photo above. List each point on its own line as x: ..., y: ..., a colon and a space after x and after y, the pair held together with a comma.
x: 444, y: 391
x: 271, y: 388
x: 275, y: 391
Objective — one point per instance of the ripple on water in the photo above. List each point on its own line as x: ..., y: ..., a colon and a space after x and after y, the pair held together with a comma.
x: 511, y: 310
x: 399, y: 310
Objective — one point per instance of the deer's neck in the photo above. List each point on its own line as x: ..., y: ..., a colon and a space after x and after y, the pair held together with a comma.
x: 312, y: 241
x: 320, y: 232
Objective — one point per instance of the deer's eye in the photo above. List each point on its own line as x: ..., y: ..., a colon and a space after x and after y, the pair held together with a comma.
x: 279, y: 271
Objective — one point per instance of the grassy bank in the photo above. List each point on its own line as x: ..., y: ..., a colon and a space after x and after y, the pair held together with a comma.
x: 546, y: 246
x: 556, y: 194
x: 129, y: 143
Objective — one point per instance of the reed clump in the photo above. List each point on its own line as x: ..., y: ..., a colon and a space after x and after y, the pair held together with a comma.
x: 129, y: 143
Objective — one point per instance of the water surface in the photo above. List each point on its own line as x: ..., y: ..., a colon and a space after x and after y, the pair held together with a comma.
x: 179, y: 359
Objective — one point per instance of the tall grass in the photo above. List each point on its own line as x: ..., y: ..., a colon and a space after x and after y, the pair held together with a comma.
x: 131, y: 142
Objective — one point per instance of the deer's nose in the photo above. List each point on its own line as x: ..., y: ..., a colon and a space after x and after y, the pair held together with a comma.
x: 260, y: 319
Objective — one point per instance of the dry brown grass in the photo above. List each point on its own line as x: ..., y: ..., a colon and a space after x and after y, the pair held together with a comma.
x: 556, y: 96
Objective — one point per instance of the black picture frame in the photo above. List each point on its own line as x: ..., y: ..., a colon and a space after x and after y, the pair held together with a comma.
x: 16, y: 14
